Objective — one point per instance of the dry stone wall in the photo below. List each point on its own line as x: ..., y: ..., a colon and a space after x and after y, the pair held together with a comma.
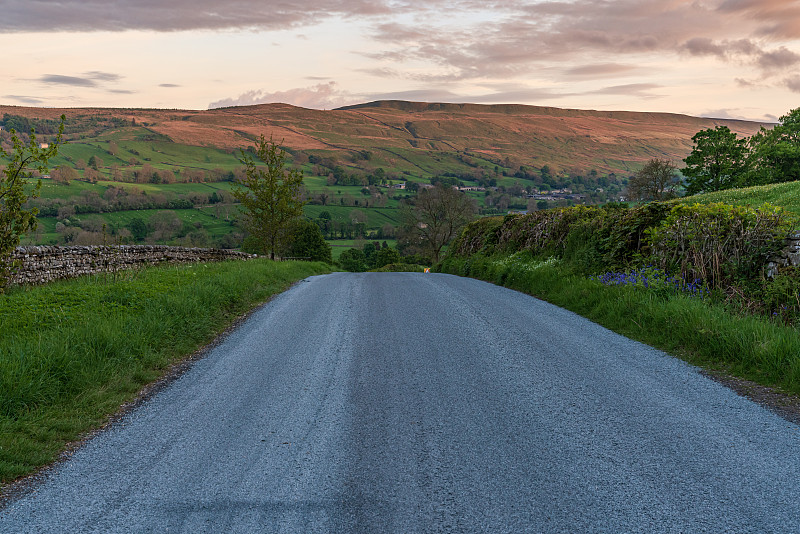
x: 39, y: 265
x: 788, y: 257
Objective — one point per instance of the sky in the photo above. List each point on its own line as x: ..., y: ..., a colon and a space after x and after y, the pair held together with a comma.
x: 712, y: 58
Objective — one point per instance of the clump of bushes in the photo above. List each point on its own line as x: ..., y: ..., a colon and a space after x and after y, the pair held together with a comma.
x: 376, y: 256
x: 715, y: 246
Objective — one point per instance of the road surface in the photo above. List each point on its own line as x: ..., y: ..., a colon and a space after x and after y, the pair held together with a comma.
x: 428, y: 403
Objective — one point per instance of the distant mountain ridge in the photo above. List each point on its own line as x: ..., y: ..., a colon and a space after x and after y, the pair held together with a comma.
x: 428, y: 138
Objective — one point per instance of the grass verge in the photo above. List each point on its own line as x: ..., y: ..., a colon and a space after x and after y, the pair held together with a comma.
x: 701, y: 332
x: 72, y: 352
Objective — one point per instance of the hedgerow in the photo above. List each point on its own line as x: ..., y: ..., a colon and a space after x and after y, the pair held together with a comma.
x: 719, y: 246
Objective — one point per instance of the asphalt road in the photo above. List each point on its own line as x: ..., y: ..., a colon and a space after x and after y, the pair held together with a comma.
x: 428, y: 403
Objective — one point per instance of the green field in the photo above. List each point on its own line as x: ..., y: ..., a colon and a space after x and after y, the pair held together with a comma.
x: 785, y: 195
x: 72, y: 352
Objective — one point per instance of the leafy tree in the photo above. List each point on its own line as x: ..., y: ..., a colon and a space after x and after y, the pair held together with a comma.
x: 434, y: 217
x: 656, y: 181
x: 64, y: 174
x: 138, y: 228
x: 353, y: 260
x: 717, y: 161
x: 307, y: 241
x: 15, y: 191
x: 369, y: 254
x: 270, y: 195
x: 386, y: 256
x: 775, y: 153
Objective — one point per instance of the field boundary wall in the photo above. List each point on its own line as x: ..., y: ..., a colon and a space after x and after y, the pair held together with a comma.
x: 42, y: 264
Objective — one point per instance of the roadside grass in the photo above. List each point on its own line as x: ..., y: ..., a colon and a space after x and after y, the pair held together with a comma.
x: 786, y: 195
x: 73, y: 352
x: 700, y: 331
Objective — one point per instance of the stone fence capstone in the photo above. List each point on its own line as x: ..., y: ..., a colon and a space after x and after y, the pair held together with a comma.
x: 41, y: 264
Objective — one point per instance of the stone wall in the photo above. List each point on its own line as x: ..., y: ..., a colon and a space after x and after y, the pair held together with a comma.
x: 44, y: 264
x: 789, y: 256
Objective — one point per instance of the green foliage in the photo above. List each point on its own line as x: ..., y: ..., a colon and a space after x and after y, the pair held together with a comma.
x: 353, y: 260
x: 385, y: 256
x: 717, y: 161
x: 478, y: 236
x: 655, y: 181
x: 138, y: 228
x: 72, y: 352
x: 718, y: 243
x: 15, y: 191
x: 775, y: 153
x: 721, y: 161
x: 307, y: 241
x: 434, y: 218
x: 400, y: 268
x: 270, y: 195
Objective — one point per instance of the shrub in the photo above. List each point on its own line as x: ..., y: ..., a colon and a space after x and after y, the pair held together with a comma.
x: 353, y: 260
x: 718, y: 243
x: 307, y: 241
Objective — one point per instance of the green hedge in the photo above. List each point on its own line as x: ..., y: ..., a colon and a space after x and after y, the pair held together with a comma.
x: 716, y: 243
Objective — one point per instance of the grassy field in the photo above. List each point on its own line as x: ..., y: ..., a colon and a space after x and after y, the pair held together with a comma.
x: 786, y: 195
x: 72, y: 352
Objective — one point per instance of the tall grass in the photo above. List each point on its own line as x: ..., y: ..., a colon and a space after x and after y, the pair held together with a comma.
x: 72, y: 352
x: 692, y: 328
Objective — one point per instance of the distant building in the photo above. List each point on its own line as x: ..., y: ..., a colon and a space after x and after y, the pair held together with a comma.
x: 44, y: 145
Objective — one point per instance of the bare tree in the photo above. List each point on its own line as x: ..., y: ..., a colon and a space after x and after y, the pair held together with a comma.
x: 434, y: 217
x: 656, y: 181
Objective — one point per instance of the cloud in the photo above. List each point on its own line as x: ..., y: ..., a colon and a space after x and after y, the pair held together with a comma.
x: 776, y: 18
x: 103, y: 76
x: 744, y: 51
x: 181, y: 15
x: 515, y: 39
x: 601, y: 70
x: 88, y: 79
x: 24, y: 99
x: 58, y: 79
x: 417, y: 95
x: 320, y: 96
x: 640, y: 90
x: 168, y: 85
x: 793, y: 84
x: 778, y: 59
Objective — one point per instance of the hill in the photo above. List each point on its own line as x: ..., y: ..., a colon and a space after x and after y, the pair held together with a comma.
x: 129, y: 164
x: 422, y: 138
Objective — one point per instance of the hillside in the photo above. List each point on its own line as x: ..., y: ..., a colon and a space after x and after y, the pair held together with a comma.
x: 125, y: 167
x: 785, y: 195
x: 424, y: 138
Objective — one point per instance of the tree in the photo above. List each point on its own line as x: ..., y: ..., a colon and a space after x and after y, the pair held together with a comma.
x: 434, y: 217
x: 717, y: 161
x: 656, y: 181
x: 138, y: 228
x: 775, y: 153
x: 270, y: 195
x: 307, y: 241
x: 386, y: 256
x: 64, y: 174
x: 16, y: 190
x: 353, y: 260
